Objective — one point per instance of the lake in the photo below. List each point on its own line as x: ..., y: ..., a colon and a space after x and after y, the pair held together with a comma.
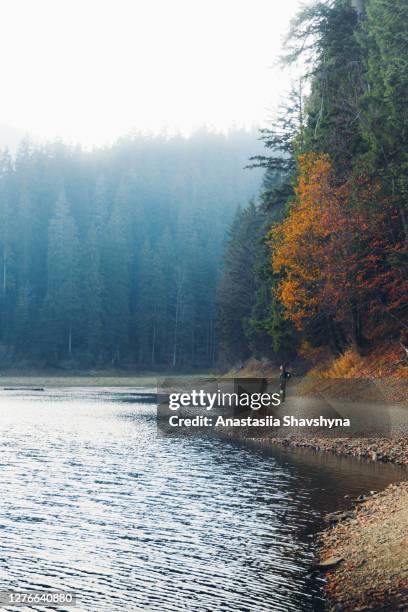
x: 94, y: 502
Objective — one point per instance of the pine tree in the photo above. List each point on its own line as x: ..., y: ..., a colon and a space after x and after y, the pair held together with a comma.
x: 116, y: 264
x: 75, y: 279
x: 8, y: 247
x: 385, y: 112
x: 237, y: 285
x: 326, y: 36
x: 93, y: 276
x: 60, y: 323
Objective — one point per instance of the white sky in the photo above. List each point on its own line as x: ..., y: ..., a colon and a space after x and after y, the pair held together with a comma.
x: 90, y: 71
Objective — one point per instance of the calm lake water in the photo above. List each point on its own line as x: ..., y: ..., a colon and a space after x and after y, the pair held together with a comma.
x: 93, y: 502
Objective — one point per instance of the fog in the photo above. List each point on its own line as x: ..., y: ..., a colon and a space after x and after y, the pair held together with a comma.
x: 90, y: 72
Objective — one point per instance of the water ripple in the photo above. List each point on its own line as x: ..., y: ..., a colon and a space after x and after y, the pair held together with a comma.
x: 93, y: 502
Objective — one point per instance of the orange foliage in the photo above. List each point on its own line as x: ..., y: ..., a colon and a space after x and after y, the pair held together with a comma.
x: 311, y: 354
x: 339, y: 251
x: 384, y: 362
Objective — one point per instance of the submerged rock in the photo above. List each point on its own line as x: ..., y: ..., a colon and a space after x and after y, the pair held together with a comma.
x: 336, y: 517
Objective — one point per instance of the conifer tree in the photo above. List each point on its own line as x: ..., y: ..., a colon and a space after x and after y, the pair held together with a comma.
x: 60, y: 327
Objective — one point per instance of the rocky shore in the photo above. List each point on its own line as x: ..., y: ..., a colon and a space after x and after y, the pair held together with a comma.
x: 364, y: 554
x: 363, y: 551
x: 386, y: 450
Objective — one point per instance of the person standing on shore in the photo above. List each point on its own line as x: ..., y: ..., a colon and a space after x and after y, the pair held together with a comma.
x: 284, y: 374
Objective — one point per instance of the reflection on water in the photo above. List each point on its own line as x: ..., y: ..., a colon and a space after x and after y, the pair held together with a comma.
x: 94, y: 502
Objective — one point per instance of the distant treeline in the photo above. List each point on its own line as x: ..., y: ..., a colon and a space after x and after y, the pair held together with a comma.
x: 321, y: 264
x: 113, y: 256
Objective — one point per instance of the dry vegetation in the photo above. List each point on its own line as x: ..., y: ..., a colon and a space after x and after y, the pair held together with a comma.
x: 385, y: 361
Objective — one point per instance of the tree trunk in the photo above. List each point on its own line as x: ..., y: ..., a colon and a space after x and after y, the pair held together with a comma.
x: 192, y: 345
x: 175, y: 335
x: 4, y: 276
x: 180, y: 282
x: 153, y: 345
x: 404, y: 222
x: 334, y: 338
x: 356, y: 330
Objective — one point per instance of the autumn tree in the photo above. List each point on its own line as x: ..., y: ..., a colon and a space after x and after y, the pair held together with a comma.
x: 339, y: 253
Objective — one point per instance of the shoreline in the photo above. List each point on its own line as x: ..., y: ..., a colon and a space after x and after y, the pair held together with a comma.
x: 365, y: 554
x: 90, y: 379
x: 381, y: 450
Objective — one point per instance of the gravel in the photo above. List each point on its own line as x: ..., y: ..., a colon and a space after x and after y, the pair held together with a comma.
x: 372, y: 544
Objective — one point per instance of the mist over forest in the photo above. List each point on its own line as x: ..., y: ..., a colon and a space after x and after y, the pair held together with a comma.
x: 169, y: 253
x: 112, y: 257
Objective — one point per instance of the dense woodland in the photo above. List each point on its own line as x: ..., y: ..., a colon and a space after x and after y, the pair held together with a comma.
x: 112, y: 257
x: 321, y: 263
x: 166, y: 253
